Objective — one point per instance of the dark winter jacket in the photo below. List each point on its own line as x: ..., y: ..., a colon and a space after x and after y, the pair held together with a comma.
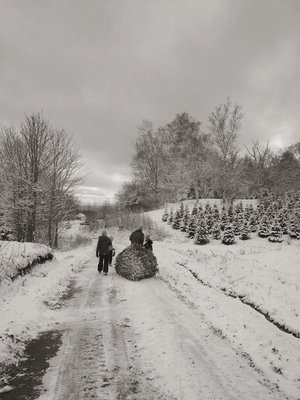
x: 104, y: 245
x: 148, y: 244
x: 137, y: 237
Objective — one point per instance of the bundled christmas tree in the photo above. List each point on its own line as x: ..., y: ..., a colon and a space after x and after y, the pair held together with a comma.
x: 245, y: 232
x: 136, y: 263
x: 201, y: 236
x: 176, y: 220
x: 185, y: 220
x: 228, y: 234
x: 264, y: 230
x: 275, y: 232
x: 216, y: 231
x: 165, y: 215
x: 171, y: 216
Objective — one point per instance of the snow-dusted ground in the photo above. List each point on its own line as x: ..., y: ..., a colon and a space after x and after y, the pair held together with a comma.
x: 176, y: 336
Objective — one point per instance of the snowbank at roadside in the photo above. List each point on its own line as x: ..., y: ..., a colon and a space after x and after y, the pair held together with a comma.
x: 30, y: 303
x: 15, y: 257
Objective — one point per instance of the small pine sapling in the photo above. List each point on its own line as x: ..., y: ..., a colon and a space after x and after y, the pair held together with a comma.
x: 176, y: 220
x: 245, y: 232
x: 275, y: 232
x: 230, y: 213
x: 181, y: 209
x: 201, y: 236
x: 228, y: 234
x: 264, y: 230
x: 195, y: 210
x: 171, y: 217
x: 165, y: 215
x: 185, y: 220
x: 207, y: 209
x: 209, y: 222
x: 224, y: 220
x: 253, y: 223
x: 216, y: 213
x: 191, y: 228
x: 216, y: 231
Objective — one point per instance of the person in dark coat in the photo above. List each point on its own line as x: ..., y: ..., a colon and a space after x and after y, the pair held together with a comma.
x: 104, y: 247
x: 148, y: 243
x: 137, y: 236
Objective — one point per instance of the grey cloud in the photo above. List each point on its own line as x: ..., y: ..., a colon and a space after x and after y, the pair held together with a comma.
x: 98, y: 68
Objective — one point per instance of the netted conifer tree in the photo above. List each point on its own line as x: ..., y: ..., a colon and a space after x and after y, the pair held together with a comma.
x: 228, y: 234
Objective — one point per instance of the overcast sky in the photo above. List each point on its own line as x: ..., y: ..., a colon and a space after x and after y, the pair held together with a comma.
x: 99, y: 67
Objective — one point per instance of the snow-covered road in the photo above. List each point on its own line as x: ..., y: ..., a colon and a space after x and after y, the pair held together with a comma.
x: 143, y: 340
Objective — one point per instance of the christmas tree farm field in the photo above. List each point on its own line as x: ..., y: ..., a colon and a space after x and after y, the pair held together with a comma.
x: 249, y: 291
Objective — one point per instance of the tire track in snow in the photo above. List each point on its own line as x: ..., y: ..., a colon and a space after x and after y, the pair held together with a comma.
x: 244, y: 301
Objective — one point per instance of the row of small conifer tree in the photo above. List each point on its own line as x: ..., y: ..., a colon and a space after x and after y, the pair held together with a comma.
x: 271, y: 218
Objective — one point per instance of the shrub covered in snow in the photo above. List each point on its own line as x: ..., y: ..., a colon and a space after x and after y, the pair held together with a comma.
x: 136, y: 263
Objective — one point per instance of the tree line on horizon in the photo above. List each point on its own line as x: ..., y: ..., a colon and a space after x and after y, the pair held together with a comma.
x: 39, y: 168
x: 182, y: 161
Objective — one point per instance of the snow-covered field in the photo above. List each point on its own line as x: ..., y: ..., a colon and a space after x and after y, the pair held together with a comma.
x: 250, y: 291
x: 246, y: 293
